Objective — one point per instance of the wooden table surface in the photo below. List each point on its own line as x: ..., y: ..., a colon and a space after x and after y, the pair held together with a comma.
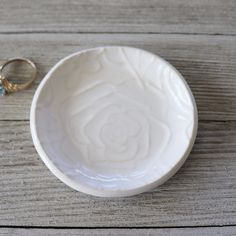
x: 199, y: 39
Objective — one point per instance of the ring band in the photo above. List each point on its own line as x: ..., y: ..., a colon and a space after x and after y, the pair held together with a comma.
x: 10, y: 87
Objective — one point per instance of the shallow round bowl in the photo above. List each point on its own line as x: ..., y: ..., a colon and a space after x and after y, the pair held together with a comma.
x: 113, y: 121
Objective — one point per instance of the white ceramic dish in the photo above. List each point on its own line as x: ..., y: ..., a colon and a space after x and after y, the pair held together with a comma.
x: 113, y: 121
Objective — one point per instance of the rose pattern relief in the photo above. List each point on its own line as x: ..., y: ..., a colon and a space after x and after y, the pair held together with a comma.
x: 113, y: 129
x: 110, y: 114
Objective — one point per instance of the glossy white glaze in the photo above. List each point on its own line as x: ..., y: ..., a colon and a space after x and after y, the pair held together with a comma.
x: 113, y: 121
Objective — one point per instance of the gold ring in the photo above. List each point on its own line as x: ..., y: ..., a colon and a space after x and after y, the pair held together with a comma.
x: 8, y: 87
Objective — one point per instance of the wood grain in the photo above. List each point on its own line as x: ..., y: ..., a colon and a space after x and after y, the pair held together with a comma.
x: 202, y: 193
x: 221, y: 231
x: 147, y: 16
x: 207, y: 62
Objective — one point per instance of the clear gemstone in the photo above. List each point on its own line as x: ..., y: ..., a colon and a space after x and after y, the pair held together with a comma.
x: 2, y: 91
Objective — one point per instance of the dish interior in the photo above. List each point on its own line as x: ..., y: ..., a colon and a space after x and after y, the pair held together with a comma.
x: 114, y: 118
